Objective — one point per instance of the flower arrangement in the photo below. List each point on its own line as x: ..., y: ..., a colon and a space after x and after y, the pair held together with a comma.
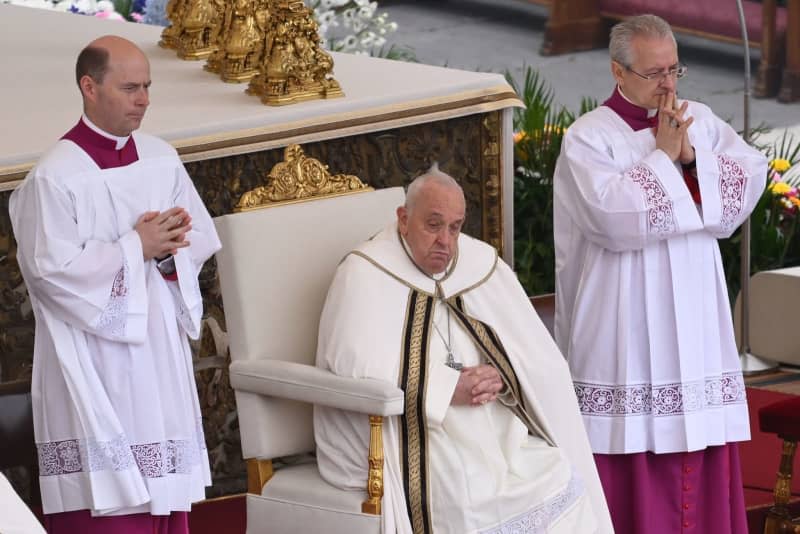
x: 352, y: 26
x: 104, y: 9
x: 774, y: 239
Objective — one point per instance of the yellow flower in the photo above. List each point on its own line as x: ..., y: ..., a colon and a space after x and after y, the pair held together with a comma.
x: 780, y: 164
x: 519, y: 136
x: 779, y: 188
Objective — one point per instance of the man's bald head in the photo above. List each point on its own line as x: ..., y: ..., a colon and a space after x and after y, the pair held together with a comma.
x: 113, y: 75
x: 94, y: 59
x: 433, y: 176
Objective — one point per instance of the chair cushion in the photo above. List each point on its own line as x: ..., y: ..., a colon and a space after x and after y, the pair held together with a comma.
x: 782, y: 418
x: 297, y: 499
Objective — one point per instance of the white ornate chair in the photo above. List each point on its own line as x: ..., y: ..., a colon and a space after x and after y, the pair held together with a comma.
x: 277, y: 261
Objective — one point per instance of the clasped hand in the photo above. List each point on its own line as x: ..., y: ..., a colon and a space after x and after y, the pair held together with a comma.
x: 163, y: 232
x: 672, y: 135
x: 477, y: 385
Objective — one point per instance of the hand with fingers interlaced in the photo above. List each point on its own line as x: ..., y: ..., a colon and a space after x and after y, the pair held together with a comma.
x: 672, y: 132
x: 477, y: 385
x: 163, y: 233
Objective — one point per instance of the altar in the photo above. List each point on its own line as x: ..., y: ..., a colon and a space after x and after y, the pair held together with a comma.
x: 394, y: 121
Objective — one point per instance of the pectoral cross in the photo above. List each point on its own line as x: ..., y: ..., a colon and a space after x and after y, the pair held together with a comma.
x: 452, y: 363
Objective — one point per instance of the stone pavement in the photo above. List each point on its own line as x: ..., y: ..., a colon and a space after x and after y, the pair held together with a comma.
x: 505, y: 35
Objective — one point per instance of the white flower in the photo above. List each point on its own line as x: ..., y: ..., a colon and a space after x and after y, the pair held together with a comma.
x: 328, y: 18
x: 368, y: 40
x: 337, y: 18
x: 39, y: 4
x: 365, y: 12
x: 350, y: 41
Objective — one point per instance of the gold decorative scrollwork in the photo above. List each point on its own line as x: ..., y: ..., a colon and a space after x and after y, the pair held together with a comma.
x: 293, y: 66
x: 240, y: 42
x: 194, y: 27
x: 170, y: 37
x: 296, y: 178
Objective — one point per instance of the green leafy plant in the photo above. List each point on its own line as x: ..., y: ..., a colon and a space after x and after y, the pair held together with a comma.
x: 774, y: 241
x: 539, y: 128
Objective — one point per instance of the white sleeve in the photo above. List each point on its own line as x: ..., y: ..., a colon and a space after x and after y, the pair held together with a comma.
x: 441, y: 385
x: 95, y: 286
x: 621, y: 209
x: 732, y: 176
x: 204, y: 242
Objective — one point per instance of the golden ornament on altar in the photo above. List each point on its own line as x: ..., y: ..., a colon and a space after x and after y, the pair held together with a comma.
x: 170, y: 37
x: 200, y: 24
x: 241, y: 40
x: 293, y: 66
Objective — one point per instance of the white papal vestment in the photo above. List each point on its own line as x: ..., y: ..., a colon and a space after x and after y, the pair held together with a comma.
x: 642, y: 310
x: 116, y: 413
x: 458, y: 469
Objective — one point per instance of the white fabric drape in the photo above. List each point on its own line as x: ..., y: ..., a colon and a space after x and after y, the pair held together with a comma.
x: 642, y: 310
x: 116, y: 413
x: 486, y: 472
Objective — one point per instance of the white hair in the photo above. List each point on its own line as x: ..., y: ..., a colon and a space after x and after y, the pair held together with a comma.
x: 432, y: 176
x: 622, y: 34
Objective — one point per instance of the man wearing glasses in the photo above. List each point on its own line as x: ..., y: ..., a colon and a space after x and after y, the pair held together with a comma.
x: 644, y: 187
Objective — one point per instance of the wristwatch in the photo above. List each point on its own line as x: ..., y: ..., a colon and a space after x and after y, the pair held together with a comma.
x: 166, y: 265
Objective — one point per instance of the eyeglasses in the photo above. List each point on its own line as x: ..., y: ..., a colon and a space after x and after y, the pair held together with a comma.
x: 674, y: 72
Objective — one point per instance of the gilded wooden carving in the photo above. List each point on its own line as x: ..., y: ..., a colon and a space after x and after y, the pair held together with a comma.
x: 375, y: 473
x: 298, y: 177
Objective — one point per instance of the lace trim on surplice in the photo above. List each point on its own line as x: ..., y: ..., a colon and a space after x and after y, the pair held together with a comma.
x: 731, y: 189
x: 114, y: 316
x: 660, y: 213
x: 154, y: 460
x: 659, y: 400
x: 539, y: 519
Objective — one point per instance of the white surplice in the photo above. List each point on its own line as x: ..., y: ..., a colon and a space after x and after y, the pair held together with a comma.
x: 486, y: 473
x: 642, y: 309
x: 116, y: 413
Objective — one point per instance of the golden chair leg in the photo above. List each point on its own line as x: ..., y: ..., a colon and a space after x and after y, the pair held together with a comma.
x: 258, y: 473
x: 375, y: 478
x: 778, y: 518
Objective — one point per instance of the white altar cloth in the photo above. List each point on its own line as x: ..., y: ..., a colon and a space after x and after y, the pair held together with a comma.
x: 198, y: 113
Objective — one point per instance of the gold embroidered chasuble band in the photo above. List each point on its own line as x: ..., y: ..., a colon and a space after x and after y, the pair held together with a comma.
x: 412, y: 380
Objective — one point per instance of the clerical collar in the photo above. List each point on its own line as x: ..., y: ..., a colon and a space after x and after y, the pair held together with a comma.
x: 637, y: 117
x: 102, y: 147
x: 119, y: 141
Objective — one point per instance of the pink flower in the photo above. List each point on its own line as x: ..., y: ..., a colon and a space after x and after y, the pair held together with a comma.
x: 138, y: 17
x: 109, y: 15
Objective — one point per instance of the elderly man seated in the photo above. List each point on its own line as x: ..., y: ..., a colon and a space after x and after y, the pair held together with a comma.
x: 491, y: 439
